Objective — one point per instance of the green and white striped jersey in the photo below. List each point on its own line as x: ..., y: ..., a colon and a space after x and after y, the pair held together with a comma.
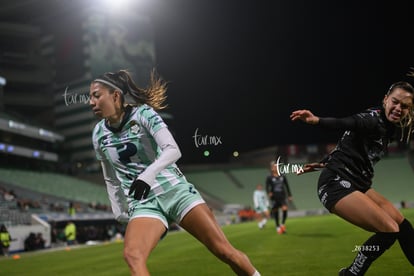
x: 132, y: 152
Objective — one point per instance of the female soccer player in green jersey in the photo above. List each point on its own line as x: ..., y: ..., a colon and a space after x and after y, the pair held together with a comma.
x: 138, y: 154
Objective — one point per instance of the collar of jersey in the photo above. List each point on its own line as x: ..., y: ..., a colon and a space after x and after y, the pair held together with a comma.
x: 128, y: 110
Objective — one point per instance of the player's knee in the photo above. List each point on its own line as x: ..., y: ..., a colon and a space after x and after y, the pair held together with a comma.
x: 390, y: 226
x: 226, y: 253
x: 133, y: 257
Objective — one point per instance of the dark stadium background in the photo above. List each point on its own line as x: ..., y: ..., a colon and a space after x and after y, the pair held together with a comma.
x: 238, y: 68
x: 245, y: 65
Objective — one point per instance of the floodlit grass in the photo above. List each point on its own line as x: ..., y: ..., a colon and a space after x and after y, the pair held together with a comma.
x: 318, y: 245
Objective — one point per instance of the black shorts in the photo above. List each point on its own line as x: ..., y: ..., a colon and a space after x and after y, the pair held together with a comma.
x: 332, y: 188
x: 279, y: 201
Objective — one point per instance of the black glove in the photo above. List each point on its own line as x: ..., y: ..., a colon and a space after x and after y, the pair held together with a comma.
x: 139, y: 189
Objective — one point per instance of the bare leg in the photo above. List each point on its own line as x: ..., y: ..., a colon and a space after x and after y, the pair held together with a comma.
x: 141, y: 237
x: 262, y: 218
x: 406, y: 232
x: 386, y: 205
x: 284, y: 215
x: 200, y: 223
x: 259, y: 218
x: 267, y: 214
x: 360, y: 210
x: 370, y: 212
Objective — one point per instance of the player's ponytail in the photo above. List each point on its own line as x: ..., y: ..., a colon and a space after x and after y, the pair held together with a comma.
x: 154, y: 94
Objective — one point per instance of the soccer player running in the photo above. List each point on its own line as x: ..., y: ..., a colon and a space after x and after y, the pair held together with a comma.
x: 261, y: 206
x: 278, y: 189
x: 145, y: 187
x: 344, y: 185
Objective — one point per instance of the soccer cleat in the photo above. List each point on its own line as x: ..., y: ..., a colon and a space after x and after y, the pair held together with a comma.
x: 279, y: 230
x: 283, y: 227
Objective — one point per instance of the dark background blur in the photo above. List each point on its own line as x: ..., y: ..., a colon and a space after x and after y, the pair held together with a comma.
x: 237, y: 69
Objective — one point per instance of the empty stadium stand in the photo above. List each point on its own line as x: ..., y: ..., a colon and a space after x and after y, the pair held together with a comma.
x: 394, y: 178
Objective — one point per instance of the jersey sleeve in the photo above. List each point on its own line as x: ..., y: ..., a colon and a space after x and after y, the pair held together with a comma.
x: 347, y: 123
x: 115, y: 192
x: 366, y: 120
x: 150, y: 119
x: 256, y: 199
x: 170, y: 151
x: 98, y: 152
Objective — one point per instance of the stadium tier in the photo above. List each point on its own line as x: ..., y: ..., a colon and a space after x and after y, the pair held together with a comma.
x: 55, y: 184
x: 230, y: 186
x: 236, y: 186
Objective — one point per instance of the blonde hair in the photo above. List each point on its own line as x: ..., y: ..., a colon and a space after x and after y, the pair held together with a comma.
x: 408, y: 121
x: 406, y: 124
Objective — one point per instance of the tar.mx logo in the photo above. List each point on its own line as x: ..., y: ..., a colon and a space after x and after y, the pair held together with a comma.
x: 205, y: 140
x: 75, y: 98
x: 283, y: 168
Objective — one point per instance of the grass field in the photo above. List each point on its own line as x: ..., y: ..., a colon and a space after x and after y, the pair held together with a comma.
x: 318, y: 245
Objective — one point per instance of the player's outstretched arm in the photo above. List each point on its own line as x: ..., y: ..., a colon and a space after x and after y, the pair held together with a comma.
x: 305, y: 116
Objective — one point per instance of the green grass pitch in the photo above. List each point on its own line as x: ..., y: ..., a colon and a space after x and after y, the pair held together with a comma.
x: 317, y: 245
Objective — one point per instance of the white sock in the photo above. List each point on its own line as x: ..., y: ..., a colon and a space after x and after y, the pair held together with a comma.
x: 256, y: 273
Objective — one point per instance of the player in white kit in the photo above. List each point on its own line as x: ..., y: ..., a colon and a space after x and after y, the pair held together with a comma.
x: 261, y: 205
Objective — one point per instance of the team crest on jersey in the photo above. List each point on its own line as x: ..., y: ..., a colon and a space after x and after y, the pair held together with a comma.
x: 345, y: 184
x: 106, y: 140
x: 134, y: 127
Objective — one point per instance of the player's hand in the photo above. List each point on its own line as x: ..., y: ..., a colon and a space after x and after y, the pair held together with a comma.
x: 311, y: 167
x: 305, y: 116
x: 139, y: 189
